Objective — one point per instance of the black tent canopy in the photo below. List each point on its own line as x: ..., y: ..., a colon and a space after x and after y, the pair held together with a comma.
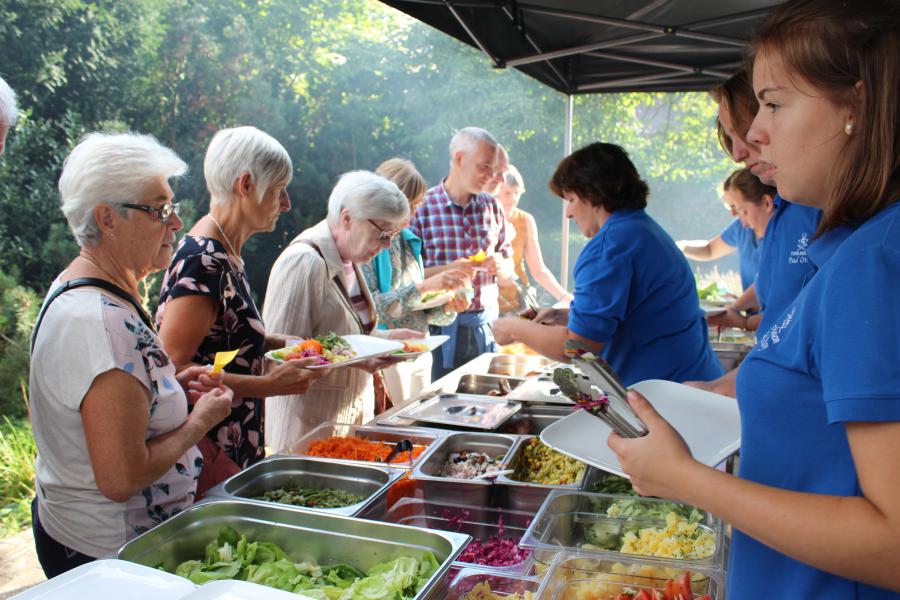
x: 590, y: 46
x: 596, y: 46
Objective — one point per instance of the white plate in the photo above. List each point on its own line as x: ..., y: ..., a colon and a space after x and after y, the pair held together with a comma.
x: 431, y: 342
x: 709, y: 423
x: 111, y: 580
x: 439, y: 300
x: 365, y: 346
x: 712, y: 311
x: 231, y: 589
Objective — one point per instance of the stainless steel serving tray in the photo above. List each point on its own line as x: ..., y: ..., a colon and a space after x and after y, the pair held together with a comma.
x: 388, y: 435
x: 304, y: 535
x: 473, y: 492
x: 462, y: 410
x: 487, y: 385
x: 479, y: 522
x: 368, y: 481
x: 525, y: 495
x: 534, y: 418
x: 520, y: 365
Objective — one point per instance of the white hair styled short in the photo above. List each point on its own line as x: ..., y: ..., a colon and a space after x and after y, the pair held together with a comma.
x: 114, y: 169
x: 233, y: 152
x: 468, y: 138
x: 9, y: 111
x: 366, y: 195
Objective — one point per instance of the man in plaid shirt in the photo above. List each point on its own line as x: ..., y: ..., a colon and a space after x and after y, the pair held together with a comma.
x: 457, y: 220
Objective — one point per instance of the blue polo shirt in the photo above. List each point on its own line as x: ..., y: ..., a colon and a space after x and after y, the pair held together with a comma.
x: 784, y: 266
x: 634, y: 291
x: 831, y: 358
x: 748, y: 249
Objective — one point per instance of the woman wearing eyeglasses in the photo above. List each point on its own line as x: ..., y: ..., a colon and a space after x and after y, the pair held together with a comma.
x: 206, y: 305
x: 316, y: 287
x: 117, y: 450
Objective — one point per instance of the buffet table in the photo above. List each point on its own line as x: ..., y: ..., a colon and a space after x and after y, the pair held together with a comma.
x: 547, y: 526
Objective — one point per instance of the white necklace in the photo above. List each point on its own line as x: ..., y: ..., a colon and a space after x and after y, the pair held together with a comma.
x: 232, y: 253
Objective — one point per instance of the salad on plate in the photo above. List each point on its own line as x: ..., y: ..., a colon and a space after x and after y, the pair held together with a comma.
x: 327, y: 349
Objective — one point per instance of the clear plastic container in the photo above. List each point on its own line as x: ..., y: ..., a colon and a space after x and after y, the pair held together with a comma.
x: 501, y: 585
x: 481, y: 523
x: 574, y: 576
x: 625, y: 526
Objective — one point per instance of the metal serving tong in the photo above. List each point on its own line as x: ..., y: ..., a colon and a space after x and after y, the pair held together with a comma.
x: 401, y: 446
x: 599, y: 391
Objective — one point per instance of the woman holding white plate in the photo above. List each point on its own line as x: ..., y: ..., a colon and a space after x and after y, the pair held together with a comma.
x: 316, y: 287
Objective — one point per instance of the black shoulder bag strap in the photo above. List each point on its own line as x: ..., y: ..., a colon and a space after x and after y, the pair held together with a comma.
x: 90, y: 282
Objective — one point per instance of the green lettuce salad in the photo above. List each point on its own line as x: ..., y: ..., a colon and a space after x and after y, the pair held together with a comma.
x: 231, y: 556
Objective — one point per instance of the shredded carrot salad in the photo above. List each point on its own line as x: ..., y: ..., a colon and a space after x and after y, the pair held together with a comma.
x: 353, y: 448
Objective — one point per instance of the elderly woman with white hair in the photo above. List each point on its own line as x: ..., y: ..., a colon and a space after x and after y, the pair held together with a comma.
x: 116, y: 445
x: 9, y: 112
x: 316, y: 287
x: 206, y: 305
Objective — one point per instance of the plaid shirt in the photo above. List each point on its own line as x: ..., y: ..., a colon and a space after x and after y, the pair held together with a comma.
x: 450, y: 232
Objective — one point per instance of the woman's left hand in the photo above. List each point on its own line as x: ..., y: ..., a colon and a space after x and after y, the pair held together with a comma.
x: 505, y: 330
x: 197, y: 380
x: 657, y: 461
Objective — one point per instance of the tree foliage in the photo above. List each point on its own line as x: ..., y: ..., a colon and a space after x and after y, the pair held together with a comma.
x: 343, y: 84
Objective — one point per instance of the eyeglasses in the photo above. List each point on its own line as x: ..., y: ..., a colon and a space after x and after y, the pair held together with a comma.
x: 163, y: 213
x: 384, y: 234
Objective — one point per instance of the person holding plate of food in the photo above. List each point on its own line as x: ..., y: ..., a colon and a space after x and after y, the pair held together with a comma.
x: 316, y: 287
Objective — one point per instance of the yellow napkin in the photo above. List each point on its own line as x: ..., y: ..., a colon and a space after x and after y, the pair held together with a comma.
x: 479, y: 257
x: 222, y: 359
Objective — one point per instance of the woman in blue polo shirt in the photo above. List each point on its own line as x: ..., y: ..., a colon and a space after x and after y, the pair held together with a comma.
x: 635, y: 297
x: 751, y: 201
x: 815, y: 510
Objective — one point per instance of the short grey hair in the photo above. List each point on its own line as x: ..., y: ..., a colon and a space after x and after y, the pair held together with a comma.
x: 114, y: 169
x: 9, y: 111
x: 468, y: 138
x: 233, y: 152
x: 366, y: 195
x: 513, y: 178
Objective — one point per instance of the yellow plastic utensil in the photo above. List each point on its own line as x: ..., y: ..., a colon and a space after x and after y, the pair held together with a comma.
x: 479, y: 257
x: 222, y: 359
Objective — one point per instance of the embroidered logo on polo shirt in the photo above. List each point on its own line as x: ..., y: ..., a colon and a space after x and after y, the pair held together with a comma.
x: 798, y: 256
x: 773, y: 336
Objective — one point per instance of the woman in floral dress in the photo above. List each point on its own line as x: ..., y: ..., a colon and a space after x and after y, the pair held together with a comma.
x: 206, y: 305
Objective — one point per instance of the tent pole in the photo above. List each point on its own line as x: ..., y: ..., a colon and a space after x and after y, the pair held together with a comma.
x: 564, y: 244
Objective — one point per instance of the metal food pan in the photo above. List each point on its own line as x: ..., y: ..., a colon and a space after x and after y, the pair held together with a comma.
x: 576, y: 575
x: 592, y: 476
x: 487, y: 412
x: 304, y: 535
x: 534, y: 418
x: 368, y: 481
x: 518, y: 366
x: 465, y: 491
x: 388, y: 435
x: 525, y: 495
x: 478, y: 522
x: 486, y: 385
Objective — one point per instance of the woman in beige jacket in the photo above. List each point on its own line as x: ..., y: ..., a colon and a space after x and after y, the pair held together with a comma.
x: 315, y: 287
